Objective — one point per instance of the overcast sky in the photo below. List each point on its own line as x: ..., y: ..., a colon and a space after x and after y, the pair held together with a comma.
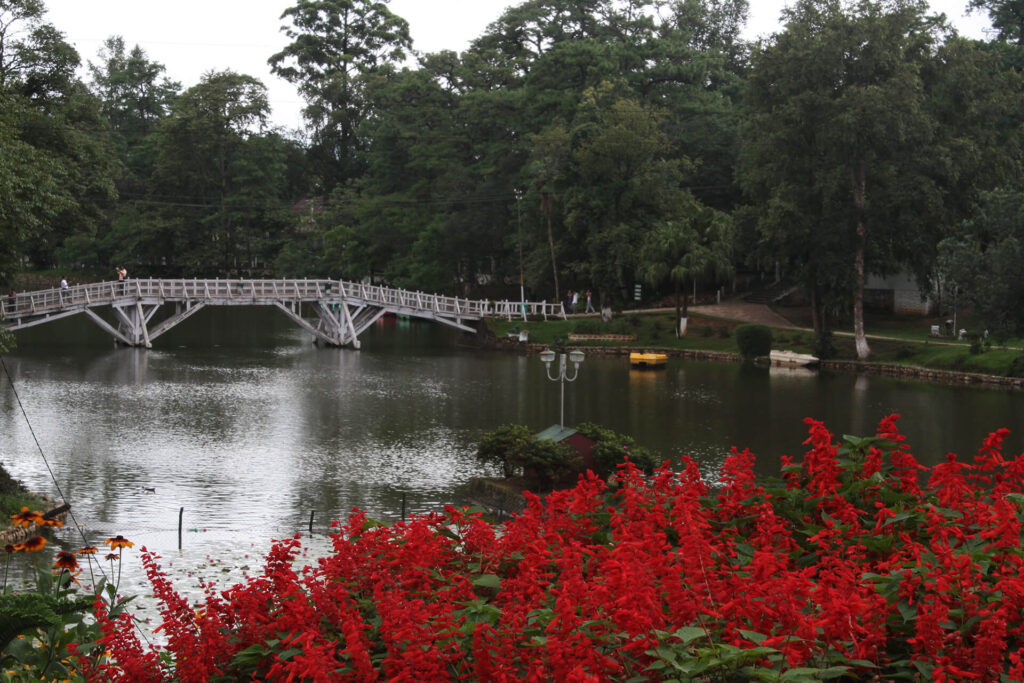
x: 191, y: 37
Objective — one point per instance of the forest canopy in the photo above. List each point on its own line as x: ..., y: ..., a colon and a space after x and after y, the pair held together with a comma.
x: 575, y: 144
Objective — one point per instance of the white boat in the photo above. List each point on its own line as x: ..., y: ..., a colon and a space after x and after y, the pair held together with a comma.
x: 792, y: 358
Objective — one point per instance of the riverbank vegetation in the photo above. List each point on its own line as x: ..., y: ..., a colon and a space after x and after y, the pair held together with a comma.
x: 572, y: 146
x: 858, y: 563
x: 906, y: 341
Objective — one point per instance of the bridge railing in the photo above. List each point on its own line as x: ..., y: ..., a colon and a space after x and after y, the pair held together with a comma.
x: 96, y: 293
x: 54, y: 299
x: 530, y: 309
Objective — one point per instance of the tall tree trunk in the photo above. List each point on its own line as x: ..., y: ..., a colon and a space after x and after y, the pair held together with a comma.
x: 858, y: 178
x: 545, y: 205
x: 679, y: 314
x: 815, y: 308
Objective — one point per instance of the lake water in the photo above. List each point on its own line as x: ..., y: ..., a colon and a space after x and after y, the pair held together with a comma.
x: 238, y: 419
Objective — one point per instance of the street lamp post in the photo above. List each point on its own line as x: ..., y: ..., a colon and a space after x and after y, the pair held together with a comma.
x: 548, y: 356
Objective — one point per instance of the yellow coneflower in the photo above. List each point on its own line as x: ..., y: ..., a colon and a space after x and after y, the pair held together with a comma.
x: 118, y: 541
x: 51, y: 522
x: 66, y: 560
x: 112, y: 557
x: 90, y: 550
x: 26, y: 518
x: 32, y: 545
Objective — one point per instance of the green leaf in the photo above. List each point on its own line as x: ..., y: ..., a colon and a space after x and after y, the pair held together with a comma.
x: 753, y: 636
x: 487, y: 581
x: 688, y: 634
x: 899, y: 517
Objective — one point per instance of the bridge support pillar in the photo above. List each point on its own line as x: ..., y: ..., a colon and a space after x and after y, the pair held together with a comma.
x: 131, y: 324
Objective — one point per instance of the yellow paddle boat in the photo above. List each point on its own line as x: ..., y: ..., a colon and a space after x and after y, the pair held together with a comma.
x: 647, y: 360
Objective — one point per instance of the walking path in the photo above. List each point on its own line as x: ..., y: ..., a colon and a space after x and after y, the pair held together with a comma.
x: 745, y: 311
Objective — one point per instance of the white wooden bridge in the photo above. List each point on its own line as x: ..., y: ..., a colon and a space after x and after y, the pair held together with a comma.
x: 341, y: 311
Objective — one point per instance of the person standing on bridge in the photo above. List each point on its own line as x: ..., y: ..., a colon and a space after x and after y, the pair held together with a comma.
x: 120, y: 273
x: 63, y: 282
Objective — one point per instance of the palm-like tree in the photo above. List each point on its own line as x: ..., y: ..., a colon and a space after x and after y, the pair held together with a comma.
x: 696, y: 246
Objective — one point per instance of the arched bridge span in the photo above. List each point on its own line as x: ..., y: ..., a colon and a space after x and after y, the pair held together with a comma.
x: 341, y: 311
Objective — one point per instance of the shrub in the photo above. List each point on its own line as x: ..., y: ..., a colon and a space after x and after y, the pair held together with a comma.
x: 503, y: 447
x: 977, y: 344
x: 612, y: 448
x: 723, y: 331
x: 1017, y: 366
x: 706, y: 330
x: 823, y: 346
x: 516, y: 450
x: 753, y: 341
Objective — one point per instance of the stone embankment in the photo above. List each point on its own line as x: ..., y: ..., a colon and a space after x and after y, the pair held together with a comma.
x: 925, y: 374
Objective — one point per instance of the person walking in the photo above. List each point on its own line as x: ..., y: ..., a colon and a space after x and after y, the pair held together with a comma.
x: 590, y: 302
x: 575, y: 300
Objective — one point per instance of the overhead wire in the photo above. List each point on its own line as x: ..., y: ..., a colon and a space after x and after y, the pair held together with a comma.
x: 53, y: 478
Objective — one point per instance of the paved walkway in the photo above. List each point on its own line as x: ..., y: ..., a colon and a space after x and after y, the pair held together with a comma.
x: 745, y: 311
x: 729, y: 309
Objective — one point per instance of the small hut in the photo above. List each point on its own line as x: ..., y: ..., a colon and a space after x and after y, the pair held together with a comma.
x: 578, y: 442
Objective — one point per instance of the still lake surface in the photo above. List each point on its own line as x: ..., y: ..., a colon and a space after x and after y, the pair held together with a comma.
x: 237, y: 418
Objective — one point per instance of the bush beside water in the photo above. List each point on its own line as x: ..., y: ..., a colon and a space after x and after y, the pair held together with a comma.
x: 754, y: 341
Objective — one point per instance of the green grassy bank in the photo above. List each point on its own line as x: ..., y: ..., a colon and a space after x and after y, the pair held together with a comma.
x: 894, y: 340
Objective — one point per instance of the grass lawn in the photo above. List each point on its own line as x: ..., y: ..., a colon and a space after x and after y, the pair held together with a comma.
x: 13, y: 497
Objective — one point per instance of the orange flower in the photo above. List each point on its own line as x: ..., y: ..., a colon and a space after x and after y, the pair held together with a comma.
x: 26, y: 518
x: 46, y: 521
x: 9, y: 548
x: 32, y: 545
x: 66, y: 560
x: 112, y: 557
x: 118, y: 541
x: 90, y: 550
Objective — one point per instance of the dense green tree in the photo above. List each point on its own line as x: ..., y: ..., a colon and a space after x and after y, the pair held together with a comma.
x: 840, y: 138
x: 335, y: 45
x: 623, y: 183
x: 1007, y: 17
x: 57, y: 166
x: 696, y: 247
x: 134, y: 91
x: 985, y: 261
x: 218, y: 180
x: 32, y: 192
x: 35, y: 60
